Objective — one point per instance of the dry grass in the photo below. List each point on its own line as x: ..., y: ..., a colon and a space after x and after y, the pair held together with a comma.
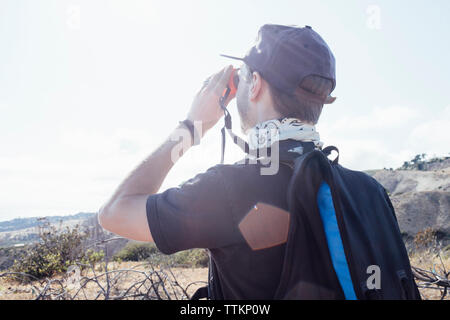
x: 124, y: 275
x: 437, y: 264
x: 125, y: 278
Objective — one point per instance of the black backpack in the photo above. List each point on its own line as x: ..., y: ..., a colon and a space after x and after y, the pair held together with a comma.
x: 344, y: 241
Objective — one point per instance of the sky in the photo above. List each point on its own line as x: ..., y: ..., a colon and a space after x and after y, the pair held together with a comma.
x: 88, y: 89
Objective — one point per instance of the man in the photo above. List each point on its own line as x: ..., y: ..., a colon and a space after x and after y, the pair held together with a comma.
x: 236, y: 212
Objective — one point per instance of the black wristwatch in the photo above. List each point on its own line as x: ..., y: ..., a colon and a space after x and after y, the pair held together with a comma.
x: 190, y: 126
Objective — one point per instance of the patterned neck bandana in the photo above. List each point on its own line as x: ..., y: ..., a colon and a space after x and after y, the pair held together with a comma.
x: 264, y: 134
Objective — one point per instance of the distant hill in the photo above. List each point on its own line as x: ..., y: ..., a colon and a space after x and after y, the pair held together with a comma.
x: 24, y: 230
x: 420, y: 194
x: 22, y: 223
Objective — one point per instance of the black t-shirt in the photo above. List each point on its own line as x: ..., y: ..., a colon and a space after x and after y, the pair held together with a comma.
x: 236, y: 213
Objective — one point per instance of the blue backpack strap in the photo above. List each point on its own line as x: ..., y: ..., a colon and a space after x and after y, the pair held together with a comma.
x: 334, y: 240
x: 332, y: 233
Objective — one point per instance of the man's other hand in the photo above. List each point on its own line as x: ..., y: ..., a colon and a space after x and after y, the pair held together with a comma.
x: 205, y: 107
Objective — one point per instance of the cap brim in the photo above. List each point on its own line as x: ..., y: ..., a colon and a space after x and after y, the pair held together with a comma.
x: 231, y: 57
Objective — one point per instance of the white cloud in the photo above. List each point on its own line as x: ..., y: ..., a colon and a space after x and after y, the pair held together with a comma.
x: 387, y: 136
x: 392, y: 117
x: 432, y: 136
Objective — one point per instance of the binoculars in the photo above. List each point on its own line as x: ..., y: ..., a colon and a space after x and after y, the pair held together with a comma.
x: 232, y: 85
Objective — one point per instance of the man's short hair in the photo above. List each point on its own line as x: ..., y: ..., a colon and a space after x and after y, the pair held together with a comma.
x: 297, y: 105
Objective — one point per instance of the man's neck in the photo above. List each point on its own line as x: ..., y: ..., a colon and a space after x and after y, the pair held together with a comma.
x: 264, y: 114
x: 267, y: 114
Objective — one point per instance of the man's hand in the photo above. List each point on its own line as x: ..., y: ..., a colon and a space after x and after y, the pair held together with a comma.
x: 206, y: 107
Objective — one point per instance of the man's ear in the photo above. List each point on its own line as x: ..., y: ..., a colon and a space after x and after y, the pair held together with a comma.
x: 256, y: 86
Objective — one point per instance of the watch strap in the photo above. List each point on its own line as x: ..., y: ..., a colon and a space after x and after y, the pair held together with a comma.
x: 190, y: 126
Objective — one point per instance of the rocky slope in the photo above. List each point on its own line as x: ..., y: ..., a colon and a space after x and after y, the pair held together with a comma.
x: 421, y: 198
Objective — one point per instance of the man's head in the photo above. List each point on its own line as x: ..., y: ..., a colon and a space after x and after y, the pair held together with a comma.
x: 258, y: 101
x: 289, y: 72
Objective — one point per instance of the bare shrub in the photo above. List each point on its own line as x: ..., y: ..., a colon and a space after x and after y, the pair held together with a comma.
x: 56, y: 250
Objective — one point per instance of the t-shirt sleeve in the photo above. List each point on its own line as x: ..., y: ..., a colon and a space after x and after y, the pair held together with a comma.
x: 197, y: 214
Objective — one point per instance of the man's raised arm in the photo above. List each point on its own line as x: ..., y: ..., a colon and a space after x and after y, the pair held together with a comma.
x: 125, y: 212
